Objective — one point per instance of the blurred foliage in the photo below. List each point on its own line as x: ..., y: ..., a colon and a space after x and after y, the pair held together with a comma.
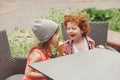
x: 22, y: 40
x: 112, y: 16
x: 97, y: 15
x: 114, y: 22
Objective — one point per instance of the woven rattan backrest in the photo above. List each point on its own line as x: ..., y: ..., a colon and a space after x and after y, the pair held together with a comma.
x: 6, y: 60
x: 4, y: 45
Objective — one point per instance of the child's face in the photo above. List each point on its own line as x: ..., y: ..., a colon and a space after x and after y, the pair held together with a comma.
x: 54, y: 39
x: 73, y: 31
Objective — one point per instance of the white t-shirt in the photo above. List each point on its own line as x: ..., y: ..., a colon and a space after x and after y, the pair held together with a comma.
x: 75, y: 50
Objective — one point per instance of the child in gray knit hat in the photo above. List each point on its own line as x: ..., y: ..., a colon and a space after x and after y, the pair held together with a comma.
x: 46, y: 32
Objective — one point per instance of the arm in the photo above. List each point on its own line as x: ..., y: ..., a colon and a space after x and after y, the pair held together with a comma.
x: 34, y: 57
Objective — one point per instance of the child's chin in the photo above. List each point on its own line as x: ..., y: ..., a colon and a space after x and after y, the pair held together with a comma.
x: 72, y: 39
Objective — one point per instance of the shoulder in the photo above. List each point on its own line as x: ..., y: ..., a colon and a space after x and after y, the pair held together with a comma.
x: 40, y: 53
x: 68, y: 42
x: 90, y: 40
x: 34, y: 56
x: 68, y: 47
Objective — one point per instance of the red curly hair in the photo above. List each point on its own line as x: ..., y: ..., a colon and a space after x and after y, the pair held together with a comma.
x: 80, y: 20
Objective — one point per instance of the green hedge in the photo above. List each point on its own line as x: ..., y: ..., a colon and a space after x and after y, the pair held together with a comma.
x: 112, y: 16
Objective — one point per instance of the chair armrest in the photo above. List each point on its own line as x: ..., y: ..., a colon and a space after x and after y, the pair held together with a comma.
x: 20, y: 63
x: 110, y: 48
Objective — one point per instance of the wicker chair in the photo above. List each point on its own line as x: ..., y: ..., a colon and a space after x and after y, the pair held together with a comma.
x: 11, y: 68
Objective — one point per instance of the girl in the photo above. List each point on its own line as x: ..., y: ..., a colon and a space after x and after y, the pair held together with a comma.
x: 46, y: 32
x: 77, y: 27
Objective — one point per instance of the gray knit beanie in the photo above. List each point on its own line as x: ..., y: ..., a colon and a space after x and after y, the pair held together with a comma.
x: 44, y: 29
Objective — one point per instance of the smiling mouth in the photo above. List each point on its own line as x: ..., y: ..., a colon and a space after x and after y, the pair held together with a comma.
x: 72, y: 35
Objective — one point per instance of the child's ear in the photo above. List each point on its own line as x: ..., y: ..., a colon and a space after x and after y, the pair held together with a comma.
x: 65, y: 16
x: 82, y: 31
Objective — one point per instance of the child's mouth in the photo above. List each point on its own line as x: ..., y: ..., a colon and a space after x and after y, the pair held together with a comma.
x: 72, y: 35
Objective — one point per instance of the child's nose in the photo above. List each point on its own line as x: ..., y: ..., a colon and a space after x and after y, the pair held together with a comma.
x: 69, y: 31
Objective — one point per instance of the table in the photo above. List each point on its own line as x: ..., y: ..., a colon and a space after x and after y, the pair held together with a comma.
x: 95, y: 64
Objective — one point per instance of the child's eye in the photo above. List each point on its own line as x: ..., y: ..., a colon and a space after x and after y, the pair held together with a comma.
x: 73, y: 28
x: 68, y: 28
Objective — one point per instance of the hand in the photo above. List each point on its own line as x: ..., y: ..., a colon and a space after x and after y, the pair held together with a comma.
x: 60, y: 48
x: 100, y: 46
